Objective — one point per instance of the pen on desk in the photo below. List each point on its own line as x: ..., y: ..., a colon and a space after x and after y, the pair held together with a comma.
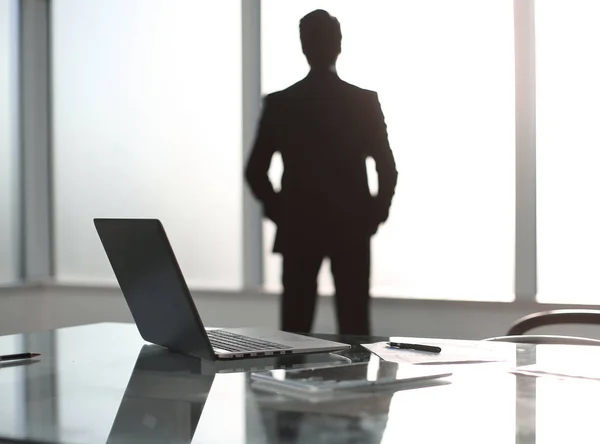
x: 18, y: 356
x: 419, y: 347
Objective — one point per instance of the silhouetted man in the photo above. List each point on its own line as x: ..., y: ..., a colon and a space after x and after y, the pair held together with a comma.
x: 325, y: 129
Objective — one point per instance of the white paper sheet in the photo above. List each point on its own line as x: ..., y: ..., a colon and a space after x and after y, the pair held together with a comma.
x: 473, y: 352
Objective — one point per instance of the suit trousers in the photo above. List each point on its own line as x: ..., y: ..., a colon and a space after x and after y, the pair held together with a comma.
x: 351, y: 269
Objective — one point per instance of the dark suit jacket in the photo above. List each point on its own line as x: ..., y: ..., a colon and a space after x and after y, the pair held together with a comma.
x: 325, y: 129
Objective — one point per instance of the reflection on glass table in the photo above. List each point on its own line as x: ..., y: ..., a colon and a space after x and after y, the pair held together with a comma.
x: 103, y: 384
x: 169, y: 396
x: 11, y: 389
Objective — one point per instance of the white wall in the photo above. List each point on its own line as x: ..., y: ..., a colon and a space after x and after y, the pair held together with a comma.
x: 9, y: 165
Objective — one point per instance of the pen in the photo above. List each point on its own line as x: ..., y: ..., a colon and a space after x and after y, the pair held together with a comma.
x: 419, y: 347
x: 18, y: 356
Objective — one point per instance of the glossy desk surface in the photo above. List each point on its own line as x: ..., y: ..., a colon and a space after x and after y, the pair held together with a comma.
x: 101, y: 384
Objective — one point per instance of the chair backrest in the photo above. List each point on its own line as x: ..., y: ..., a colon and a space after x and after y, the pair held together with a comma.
x: 554, y: 317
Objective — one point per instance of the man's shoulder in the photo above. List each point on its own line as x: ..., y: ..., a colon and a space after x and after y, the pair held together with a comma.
x: 286, y: 92
x: 277, y: 97
x: 300, y: 89
x: 358, y: 91
x: 272, y: 96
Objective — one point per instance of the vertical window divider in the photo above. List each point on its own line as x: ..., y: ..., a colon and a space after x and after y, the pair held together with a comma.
x: 252, y: 264
x: 35, y: 140
x: 525, y: 285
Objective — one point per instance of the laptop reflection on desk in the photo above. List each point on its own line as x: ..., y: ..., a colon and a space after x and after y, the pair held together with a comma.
x: 163, y: 401
x: 167, y: 392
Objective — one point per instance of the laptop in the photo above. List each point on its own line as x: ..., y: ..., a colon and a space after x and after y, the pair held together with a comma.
x: 160, y: 302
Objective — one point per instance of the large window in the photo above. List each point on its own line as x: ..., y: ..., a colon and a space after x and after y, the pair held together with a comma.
x: 9, y: 131
x: 147, y: 123
x: 568, y: 150
x: 444, y: 72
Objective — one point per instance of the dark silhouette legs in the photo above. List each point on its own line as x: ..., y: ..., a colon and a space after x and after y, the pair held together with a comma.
x: 299, y: 297
x: 350, y: 266
x: 351, y: 274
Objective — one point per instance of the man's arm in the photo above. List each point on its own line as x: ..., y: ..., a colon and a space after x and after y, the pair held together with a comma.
x: 259, y: 161
x: 385, y: 164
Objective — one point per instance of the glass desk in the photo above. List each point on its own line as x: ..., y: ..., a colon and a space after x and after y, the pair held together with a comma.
x: 102, y: 383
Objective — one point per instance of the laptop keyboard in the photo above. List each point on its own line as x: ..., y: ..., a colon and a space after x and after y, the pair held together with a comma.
x: 233, y: 342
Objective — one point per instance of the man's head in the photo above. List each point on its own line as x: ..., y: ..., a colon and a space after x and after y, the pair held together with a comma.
x: 321, y: 38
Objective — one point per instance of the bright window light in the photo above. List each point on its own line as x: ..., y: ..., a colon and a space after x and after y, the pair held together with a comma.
x: 568, y: 150
x: 444, y: 72
x: 147, y: 123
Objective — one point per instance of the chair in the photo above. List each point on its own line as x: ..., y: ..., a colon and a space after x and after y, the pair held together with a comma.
x: 551, y: 317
